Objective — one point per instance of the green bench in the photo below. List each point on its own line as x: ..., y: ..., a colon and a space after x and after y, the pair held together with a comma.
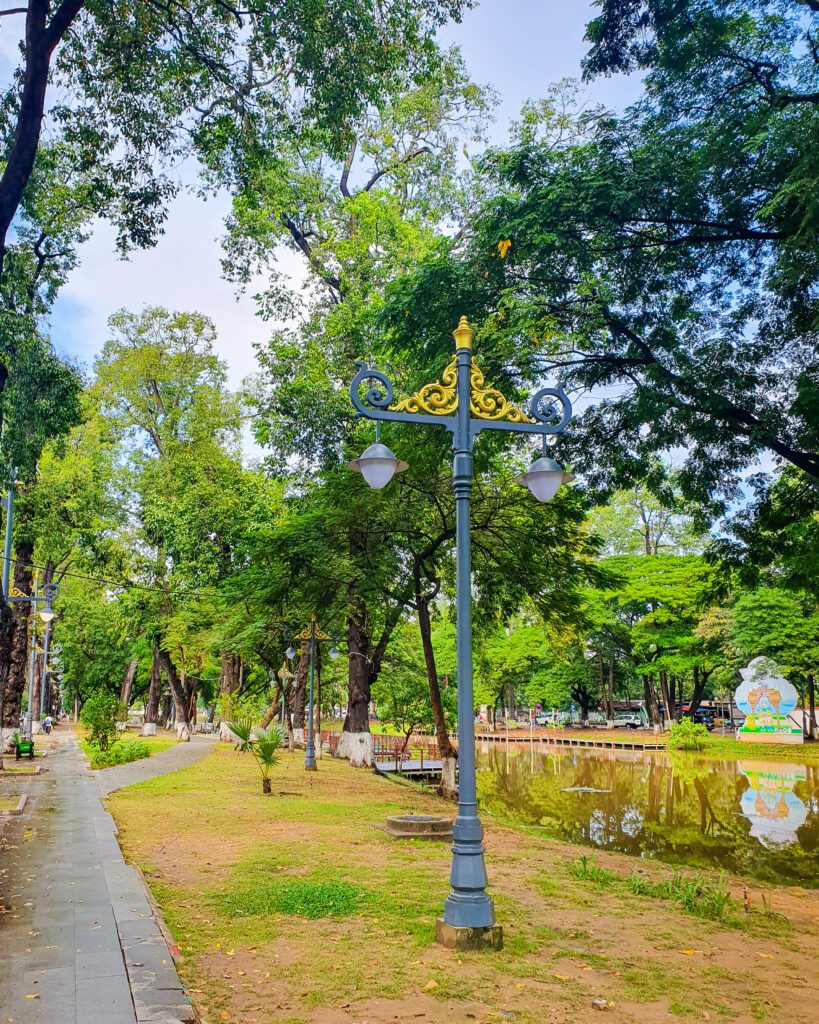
x: 23, y: 747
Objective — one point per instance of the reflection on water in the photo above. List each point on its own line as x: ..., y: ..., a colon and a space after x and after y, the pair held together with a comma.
x: 751, y: 818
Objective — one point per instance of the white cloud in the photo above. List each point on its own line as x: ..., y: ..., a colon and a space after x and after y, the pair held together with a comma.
x: 181, y: 272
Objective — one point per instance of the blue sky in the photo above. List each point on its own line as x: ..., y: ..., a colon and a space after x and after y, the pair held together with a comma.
x: 518, y: 46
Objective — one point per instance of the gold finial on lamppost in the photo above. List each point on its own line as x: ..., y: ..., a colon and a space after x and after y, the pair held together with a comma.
x: 463, y: 334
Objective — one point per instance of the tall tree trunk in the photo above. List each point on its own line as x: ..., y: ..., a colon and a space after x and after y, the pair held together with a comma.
x: 152, y: 705
x: 650, y: 695
x: 6, y: 629
x: 128, y: 682
x: 192, y: 685
x: 317, y: 701
x: 356, y: 741
x: 700, y: 679
x: 812, y: 728
x: 668, y: 700
x: 230, y: 679
x: 41, y: 37
x: 448, y: 752
x: 610, y: 711
x: 181, y: 697
x: 16, y: 645
x: 34, y: 696
x: 299, y: 695
x: 163, y: 717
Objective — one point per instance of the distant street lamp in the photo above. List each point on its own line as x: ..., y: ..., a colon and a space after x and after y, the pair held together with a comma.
x: 49, y: 593
x: 311, y: 634
x: 285, y: 674
x: 462, y: 404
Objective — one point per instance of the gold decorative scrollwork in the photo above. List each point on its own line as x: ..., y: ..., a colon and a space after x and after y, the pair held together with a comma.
x: 441, y: 398
x: 15, y: 592
x: 489, y: 403
x: 312, y: 631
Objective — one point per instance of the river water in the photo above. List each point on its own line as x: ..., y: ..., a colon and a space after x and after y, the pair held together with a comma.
x: 757, y: 819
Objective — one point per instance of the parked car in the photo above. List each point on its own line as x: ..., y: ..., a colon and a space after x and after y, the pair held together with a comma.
x: 627, y: 720
x: 561, y: 718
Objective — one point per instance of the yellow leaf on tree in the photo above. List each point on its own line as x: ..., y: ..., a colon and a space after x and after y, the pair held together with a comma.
x: 504, y: 247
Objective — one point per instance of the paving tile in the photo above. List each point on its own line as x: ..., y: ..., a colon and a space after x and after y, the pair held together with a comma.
x: 104, y: 1001
x: 100, y: 965
x: 77, y: 912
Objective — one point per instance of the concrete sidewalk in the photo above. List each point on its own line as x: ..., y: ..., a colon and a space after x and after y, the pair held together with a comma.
x: 78, y: 938
x: 171, y: 760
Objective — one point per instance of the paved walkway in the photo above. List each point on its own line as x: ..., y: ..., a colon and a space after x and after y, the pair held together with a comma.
x: 171, y: 760
x: 79, y: 943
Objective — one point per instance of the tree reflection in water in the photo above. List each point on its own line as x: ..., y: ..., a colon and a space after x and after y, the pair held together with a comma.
x: 757, y: 819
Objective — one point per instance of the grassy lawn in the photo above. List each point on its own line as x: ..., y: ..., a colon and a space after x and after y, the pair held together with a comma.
x: 717, y: 745
x: 727, y: 746
x: 298, y: 908
x: 155, y: 744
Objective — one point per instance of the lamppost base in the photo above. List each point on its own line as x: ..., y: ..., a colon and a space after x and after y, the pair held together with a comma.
x: 452, y: 936
x: 311, y: 767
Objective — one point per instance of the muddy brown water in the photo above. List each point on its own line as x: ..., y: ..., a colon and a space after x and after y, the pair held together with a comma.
x: 753, y: 818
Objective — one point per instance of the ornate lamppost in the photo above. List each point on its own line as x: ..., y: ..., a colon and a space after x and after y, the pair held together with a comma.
x: 46, y: 613
x: 312, y: 633
x: 462, y: 404
x: 284, y: 674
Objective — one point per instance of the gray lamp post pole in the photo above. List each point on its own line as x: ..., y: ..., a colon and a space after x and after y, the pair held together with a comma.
x: 463, y: 405
x: 311, y: 634
x: 44, y: 680
x: 8, y: 502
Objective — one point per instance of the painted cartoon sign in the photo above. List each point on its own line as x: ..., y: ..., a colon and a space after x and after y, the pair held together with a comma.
x: 770, y: 804
x: 766, y: 698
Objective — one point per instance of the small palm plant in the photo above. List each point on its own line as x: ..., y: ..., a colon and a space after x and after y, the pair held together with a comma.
x: 263, y: 744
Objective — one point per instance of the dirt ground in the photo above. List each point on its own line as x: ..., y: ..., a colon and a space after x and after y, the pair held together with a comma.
x: 214, y: 849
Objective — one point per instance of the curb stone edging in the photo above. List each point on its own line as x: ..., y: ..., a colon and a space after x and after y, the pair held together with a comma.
x: 173, y: 947
x: 21, y: 806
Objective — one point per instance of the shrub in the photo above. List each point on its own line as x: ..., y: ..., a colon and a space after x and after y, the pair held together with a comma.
x: 119, y: 753
x: 100, y: 713
x: 263, y: 744
x: 687, y: 735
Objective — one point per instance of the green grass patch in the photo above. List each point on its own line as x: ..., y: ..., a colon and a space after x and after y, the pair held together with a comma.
x: 298, y: 898
x: 697, y: 896
x: 8, y: 803
x: 125, y: 750
x: 585, y: 870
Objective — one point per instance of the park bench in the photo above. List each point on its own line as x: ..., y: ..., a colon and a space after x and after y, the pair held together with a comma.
x: 23, y: 747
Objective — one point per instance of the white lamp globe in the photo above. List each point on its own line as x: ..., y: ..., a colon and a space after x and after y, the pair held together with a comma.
x: 377, y: 465
x: 334, y: 653
x: 543, y: 478
x: 290, y: 653
x: 47, y: 614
